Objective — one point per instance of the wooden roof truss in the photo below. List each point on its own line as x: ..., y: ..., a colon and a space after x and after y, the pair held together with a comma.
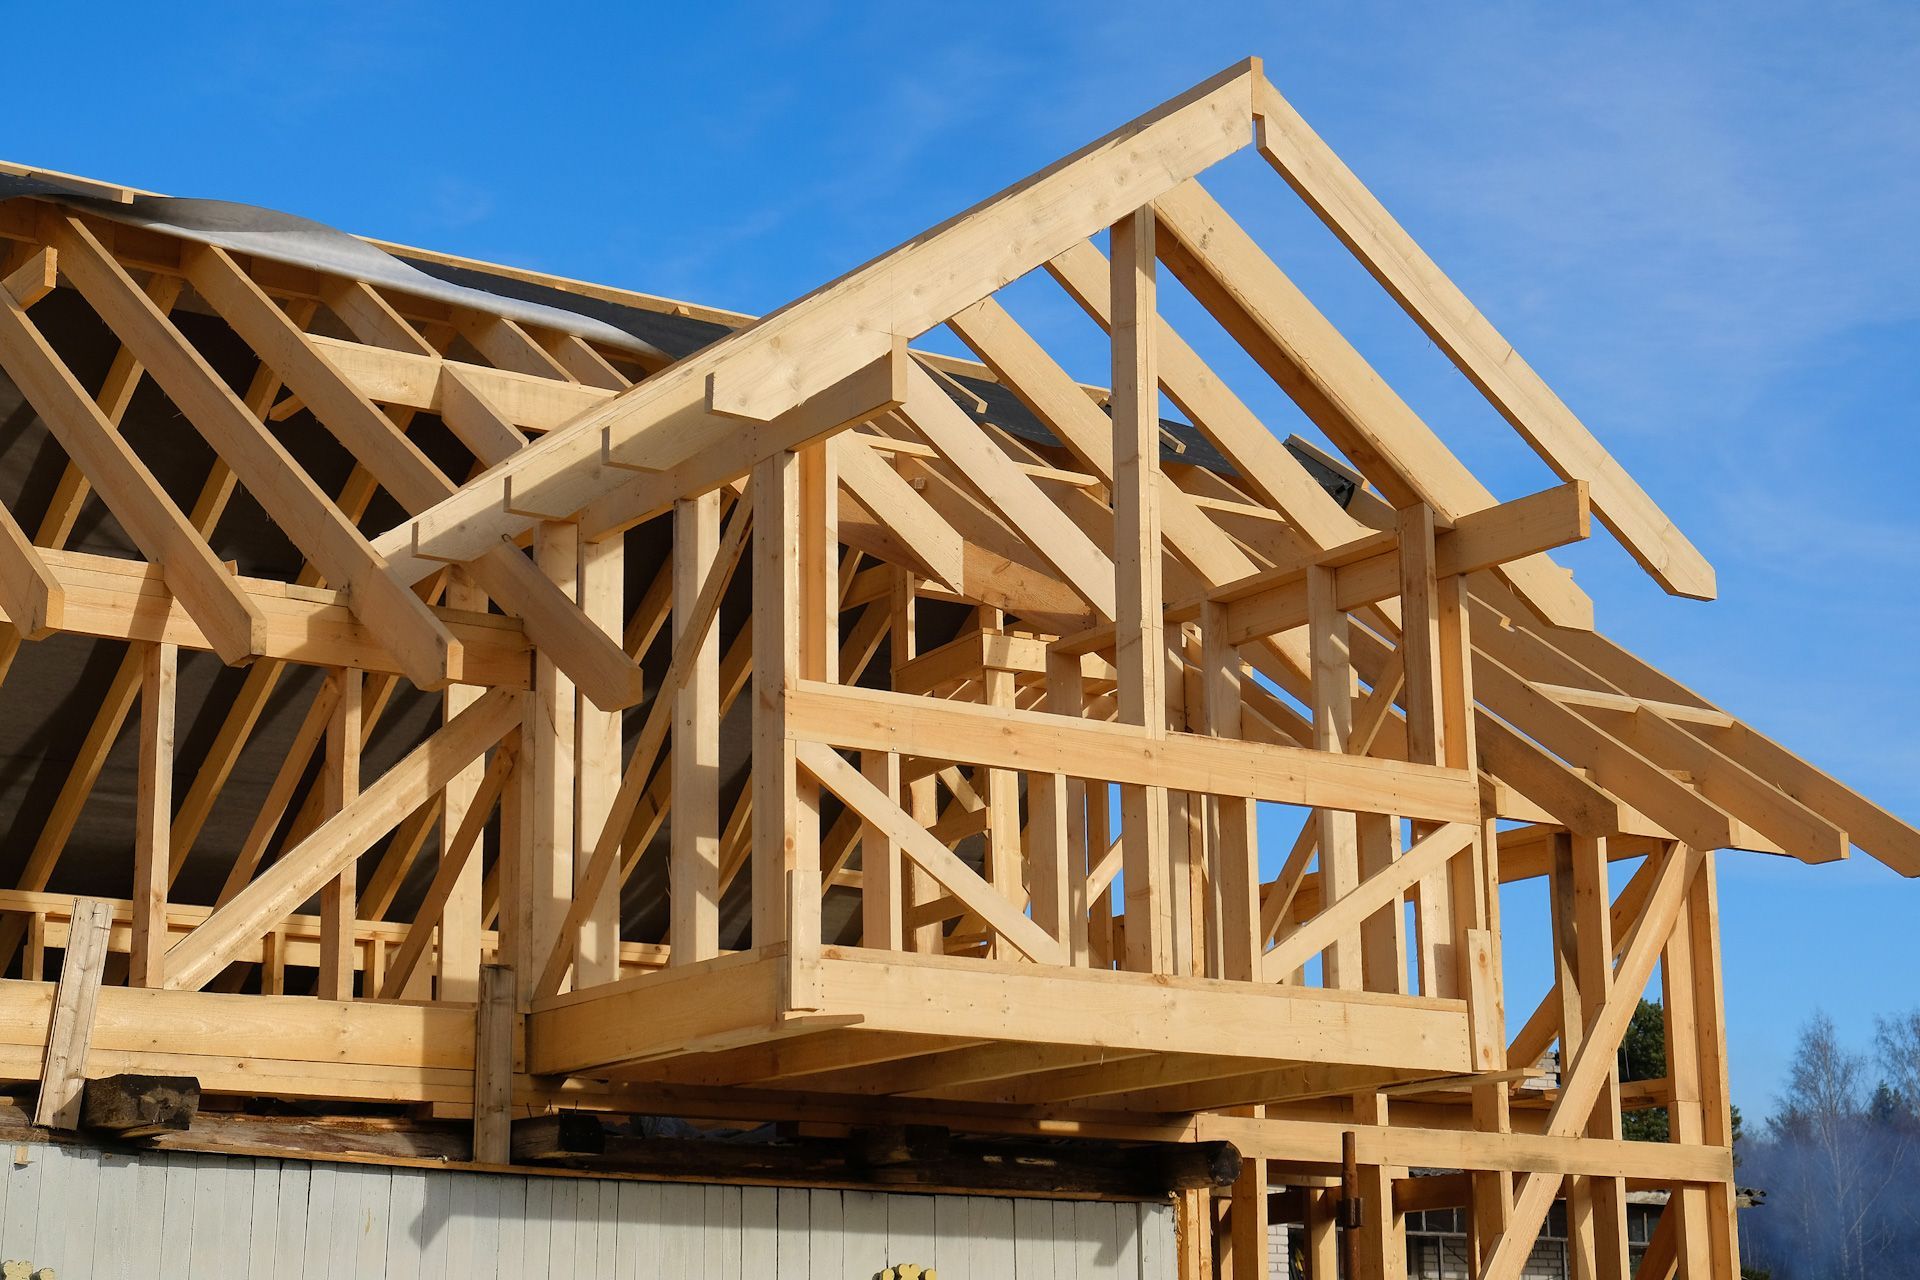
x: 1006, y: 878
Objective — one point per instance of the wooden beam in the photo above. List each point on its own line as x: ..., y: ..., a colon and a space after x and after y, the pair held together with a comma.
x: 1489, y: 361
x: 70, y: 1028
x: 875, y: 720
x: 1384, y: 889
x: 1262, y: 461
x: 989, y: 472
x: 783, y: 360
x: 30, y: 591
x: 605, y: 858
x: 874, y: 807
x: 339, y: 841
x: 35, y: 278
x: 456, y: 857
x: 233, y: 625
x: 339, y: 787
x: 1582, y: 1080
x: 493, y: 1037
x: 1264, y: 311
x: 153, y: 816
x: 694, y: 838
x: 935, y: 550
x: 864, y: 394
x: 553, y: 620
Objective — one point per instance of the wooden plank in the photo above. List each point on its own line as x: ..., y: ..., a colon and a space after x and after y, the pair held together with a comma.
x: 928, y: 853
x: 1581, y: 1081
x: 339, y: 787
x: 120, y: 599
x: 30, y: 592
x: 233, y: 625
x: 495, y: 1016
x: 994, y: 999
x: 1262, y: 461
x: 933, y: 547
x: 693, y: 858
x: 989, y: 472
x: 865, y: 393
x: 1384, y: 888
x: 875, y: 720
x: 1332, y: 383
x: 337, y: 842
x: 554, y: 621
x: 1488, y: 360
x: 781, y: 361
x: 153, y: 815
x: 70, y: 1028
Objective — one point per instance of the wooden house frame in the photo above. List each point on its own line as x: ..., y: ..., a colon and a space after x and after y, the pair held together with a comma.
x: 1013, y: 704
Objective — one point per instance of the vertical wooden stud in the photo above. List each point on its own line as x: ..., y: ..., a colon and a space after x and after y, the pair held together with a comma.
x: 340, y: 778
x: 1139, y: 632
x: 597, y: 764
x: 493, y: 1066
x: 457, y: 957
x: 776, y: 664
x: 153, y: 816
x: 694, y: 826
x: 1330, y: 648
x: 1230, y: 838
x: 551, y: 720
x: 882, y: 905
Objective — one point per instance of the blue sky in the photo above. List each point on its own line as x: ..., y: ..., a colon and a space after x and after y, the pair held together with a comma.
x: 1695, y: 221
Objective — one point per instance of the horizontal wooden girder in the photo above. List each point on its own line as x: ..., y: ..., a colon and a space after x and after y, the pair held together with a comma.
x: 118, y: 599
x: 872, y: 720
x: 739, y: 1000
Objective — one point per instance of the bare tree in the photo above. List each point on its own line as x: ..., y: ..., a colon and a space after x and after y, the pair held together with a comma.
x: 1898, y: 1041
x: 1831, y: 1172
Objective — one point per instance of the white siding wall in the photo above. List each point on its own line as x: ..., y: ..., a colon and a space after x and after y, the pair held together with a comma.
x: 89, y: 1214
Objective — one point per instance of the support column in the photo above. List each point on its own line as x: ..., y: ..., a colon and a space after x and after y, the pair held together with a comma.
x: 1139, y: 633
x: 776, y: 665
x: 1706, y: 1247
x: 551, y: 731
x: 1231, y: 819
x: 340, y: 780
x: 1567, y: 946
x: 1247, y: 1218
x: 1058, y: 805
x: 1005, y: 860
x: 1332, y: 663
x: 1716, y: 1098
x: 597, y: 764
x: 1380, y: 1244
x: 457, y: 957
x: 693, y: 830
x: 916, y: 886
x: 153, y: 816
x: 1604, y: 1199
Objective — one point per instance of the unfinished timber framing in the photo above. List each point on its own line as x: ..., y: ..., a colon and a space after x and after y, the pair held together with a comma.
x: 1090, y: 774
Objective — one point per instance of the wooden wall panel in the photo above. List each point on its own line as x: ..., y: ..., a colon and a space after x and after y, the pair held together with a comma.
x: 108, y: 1215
